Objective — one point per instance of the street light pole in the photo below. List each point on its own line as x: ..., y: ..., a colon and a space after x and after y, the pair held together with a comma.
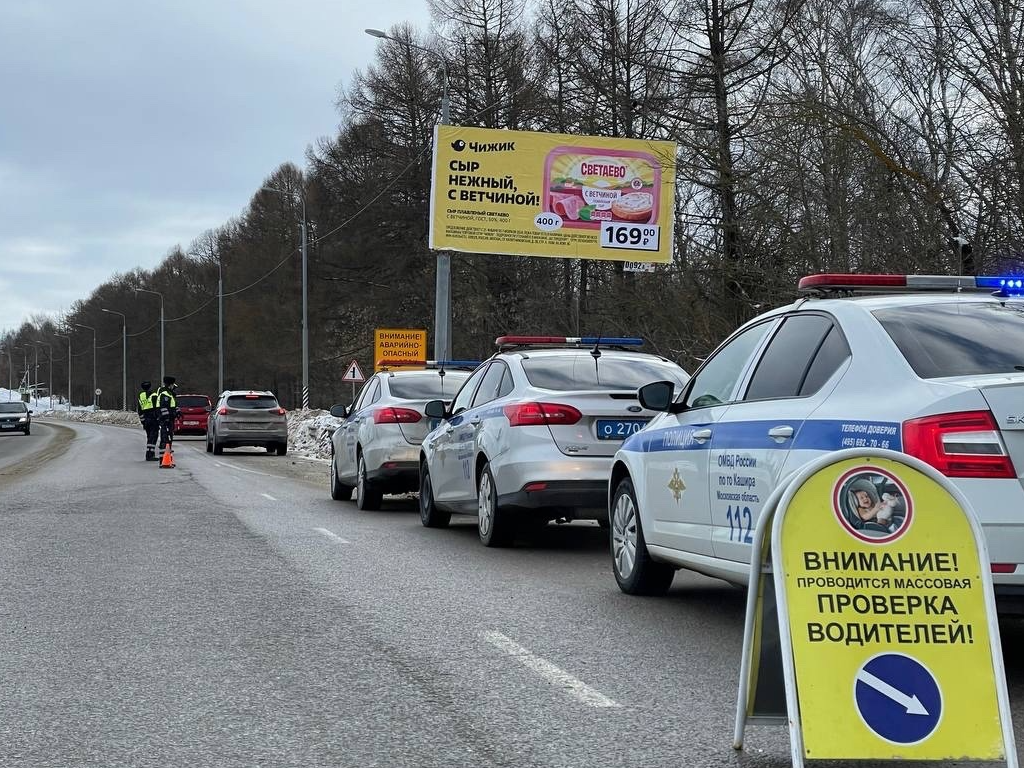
x: 443, y: 285
x: 305, y: 315
x: 220, y: 323
x: 49, y: 381
x: 146, y: 290
x: 124, y: 356
x: 10, y: 371
x: 89, y: 327
x: 68, y: 337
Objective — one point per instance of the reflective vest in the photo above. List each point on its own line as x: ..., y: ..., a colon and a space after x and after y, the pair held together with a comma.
x: 145, y: 401
x: 164, y: 398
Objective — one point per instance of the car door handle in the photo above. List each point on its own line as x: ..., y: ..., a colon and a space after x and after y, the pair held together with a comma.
x: 475, y: 421
x: 700, y: 435
x: 781, y: 433
x: 449, y: 429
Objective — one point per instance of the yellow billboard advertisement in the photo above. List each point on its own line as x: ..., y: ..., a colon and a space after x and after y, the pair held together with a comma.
x: 551, y: 194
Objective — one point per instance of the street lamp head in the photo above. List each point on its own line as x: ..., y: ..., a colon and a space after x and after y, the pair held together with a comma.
x: 376, y: 33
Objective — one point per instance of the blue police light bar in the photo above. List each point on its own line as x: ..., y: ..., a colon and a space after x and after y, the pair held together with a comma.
x: 611, y: 341
x: 453, y: 363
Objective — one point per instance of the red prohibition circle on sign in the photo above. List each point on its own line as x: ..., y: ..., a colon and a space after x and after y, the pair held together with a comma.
x: 872, y: 505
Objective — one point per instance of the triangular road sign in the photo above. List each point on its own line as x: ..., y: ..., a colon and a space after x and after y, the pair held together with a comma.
x: 352, y: 373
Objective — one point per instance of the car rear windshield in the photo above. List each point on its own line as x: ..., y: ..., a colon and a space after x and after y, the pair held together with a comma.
x: 252, y: 401
x: 427, y: 386
x: 965, y: 339
x: 575, y: 372
x: 191, y: 401
x: 13, y: 408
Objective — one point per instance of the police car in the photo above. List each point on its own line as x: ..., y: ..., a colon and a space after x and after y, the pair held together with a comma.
x: 376, y: 449
x: 932, y: 366
x: 531, y: 434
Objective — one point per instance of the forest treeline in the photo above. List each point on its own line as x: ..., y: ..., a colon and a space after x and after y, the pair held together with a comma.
x: 813, y: 135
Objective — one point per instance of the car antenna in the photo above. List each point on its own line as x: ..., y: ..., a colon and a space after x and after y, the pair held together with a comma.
x: 596, y: 354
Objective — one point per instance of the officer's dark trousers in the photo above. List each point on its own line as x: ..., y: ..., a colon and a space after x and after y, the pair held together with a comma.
x: 152, y: 428
x: 166, y: 434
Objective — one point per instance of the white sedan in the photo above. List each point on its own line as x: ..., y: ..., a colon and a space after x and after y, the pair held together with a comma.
x: 932, y: 367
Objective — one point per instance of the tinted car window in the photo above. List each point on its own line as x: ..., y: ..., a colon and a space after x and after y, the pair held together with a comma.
x: 957, y: 339
x: 428, y: 386
x: 13, y: 408
x: 716, y: 380
x: 364, y: 394
x: 465, y: 396
x: 375, y: 392
x: 507, y: 384
x: 784, y: 364
x: 832, y: 353
x: 252, y: 402
x: 191, y: 401
x: 490, y: 384
x: 576, y: 371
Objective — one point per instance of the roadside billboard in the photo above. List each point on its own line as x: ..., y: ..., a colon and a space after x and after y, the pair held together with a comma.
x: 551, y: 194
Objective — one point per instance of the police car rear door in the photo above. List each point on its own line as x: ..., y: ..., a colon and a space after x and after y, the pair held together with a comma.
x: 797, y: 369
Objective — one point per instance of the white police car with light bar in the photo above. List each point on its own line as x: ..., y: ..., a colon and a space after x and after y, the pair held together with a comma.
x: 531, y: 434
x: 932, y: 366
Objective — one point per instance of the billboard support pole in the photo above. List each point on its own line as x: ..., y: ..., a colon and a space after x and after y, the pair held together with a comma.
x: 443, y: 287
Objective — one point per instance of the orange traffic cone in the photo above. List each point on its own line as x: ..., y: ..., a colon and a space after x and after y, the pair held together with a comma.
x: 167, y: 460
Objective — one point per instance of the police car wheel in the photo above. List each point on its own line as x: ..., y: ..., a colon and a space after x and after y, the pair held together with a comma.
x: 430, y: 515
x: 339, y: 491
x: 635, y: 571
x: 367, y: 497
x: 493, y: 523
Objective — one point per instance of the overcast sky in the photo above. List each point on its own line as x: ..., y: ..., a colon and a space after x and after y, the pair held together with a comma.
x: 131, y: 126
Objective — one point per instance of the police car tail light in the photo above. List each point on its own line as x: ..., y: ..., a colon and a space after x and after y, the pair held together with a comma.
x: 965, y: 444
x: 396, y: 416
x: 538, y: 414
x: 223, y: 411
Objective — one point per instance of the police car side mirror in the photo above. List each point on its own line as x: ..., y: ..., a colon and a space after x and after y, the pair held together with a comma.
x: 339, y: 411
x: 657, y: 396
x: 435, y: 409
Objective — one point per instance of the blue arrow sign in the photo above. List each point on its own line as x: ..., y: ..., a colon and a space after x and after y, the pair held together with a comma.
x: 898, y: 698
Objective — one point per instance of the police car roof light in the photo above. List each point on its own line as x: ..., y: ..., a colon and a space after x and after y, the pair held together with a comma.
x: 609, y: 341
x: 453, y: 363
x: 840, y: 282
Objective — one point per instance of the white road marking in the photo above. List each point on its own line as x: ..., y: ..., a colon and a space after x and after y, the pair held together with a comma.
x: 332, y: 536
x: 554, y: 675
x: 242, y: 469
x: 268, y: 496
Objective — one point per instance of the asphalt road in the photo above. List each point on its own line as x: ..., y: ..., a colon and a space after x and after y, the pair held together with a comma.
x: 228, y: 613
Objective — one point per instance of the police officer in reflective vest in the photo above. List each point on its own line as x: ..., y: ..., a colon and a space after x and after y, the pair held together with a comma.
x: 147, y: 415
x: 166, y: 409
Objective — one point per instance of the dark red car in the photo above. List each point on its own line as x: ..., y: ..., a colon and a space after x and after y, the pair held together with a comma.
x: 193, y: 413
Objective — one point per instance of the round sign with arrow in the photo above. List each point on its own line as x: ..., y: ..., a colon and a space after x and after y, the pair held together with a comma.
x: 898, y: 698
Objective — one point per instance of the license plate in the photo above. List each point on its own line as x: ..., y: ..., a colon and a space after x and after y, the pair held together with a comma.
x: 7, y: 426
x: 191, y: 423
x: 618, y: 429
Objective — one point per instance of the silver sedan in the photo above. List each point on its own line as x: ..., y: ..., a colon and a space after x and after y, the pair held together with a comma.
x: 376, y: 449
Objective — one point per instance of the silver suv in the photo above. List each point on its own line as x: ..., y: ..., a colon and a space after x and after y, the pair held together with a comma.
x: 247, y: 417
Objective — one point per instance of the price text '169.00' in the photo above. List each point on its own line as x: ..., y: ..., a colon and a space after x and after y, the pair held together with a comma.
x: 638, y: 237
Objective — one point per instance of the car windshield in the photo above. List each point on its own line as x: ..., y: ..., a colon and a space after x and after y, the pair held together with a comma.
x: 13, y: 408
x: 251, y: 402
x: 427, y: 386
x: 575, y: 372
x: 192, y: 401
x: 962, y: 339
